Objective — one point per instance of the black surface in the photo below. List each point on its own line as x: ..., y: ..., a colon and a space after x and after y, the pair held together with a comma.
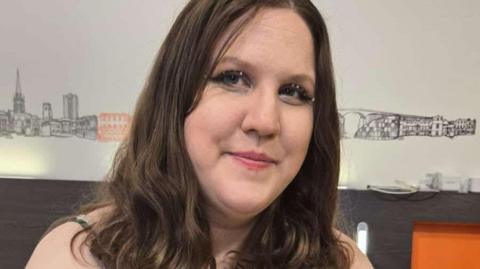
x: 28, y: 207
x: 391, y: 220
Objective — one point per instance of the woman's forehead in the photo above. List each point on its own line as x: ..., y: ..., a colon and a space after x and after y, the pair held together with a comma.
x: 276, y: 38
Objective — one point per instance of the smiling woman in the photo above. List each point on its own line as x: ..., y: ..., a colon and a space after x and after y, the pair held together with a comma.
x: 249, y: 134
x: 233, y: 156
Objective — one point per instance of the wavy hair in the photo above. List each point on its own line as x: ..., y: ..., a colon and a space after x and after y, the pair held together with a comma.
x: 156, y: 217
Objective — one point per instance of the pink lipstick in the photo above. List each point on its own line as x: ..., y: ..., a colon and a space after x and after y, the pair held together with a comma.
x: 252, y: 160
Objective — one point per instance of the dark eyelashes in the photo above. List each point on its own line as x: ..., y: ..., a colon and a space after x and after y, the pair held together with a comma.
x: 294, y: 88
x: 235, y: 78
x: 232, y: 77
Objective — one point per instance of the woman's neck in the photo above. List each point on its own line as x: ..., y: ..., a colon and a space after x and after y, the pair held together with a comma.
x: 226, y: 237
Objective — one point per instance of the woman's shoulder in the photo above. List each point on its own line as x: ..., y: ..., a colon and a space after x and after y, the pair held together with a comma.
x: 359, y: 260
x: 55, y: 250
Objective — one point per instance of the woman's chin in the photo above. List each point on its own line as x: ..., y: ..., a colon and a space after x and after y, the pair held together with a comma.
x: 242, y: 207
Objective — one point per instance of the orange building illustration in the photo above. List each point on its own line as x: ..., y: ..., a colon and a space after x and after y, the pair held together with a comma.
x: 113, y: 126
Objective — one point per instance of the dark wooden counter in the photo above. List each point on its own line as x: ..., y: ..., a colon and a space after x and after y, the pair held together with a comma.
x: 391, y: 219
x: 27, y: 207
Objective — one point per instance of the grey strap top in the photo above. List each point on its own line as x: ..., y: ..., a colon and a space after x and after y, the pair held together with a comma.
x: 83, y: 221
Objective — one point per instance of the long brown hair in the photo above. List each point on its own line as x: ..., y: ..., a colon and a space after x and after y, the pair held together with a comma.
x: 156, y: 217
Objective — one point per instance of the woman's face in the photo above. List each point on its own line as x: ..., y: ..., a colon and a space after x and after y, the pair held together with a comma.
x: 249, y: 134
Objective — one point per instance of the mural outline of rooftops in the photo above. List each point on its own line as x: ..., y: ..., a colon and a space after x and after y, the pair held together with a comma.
x: 104, y: 128
x: 377, y: 125
x: 355, y: 123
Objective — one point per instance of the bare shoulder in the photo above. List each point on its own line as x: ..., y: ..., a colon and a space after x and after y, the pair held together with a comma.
x: 359, y: 260
x: 54, y: 251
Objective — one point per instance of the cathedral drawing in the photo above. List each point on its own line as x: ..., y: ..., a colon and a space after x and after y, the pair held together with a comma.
x: 355, y: 123
x: 18, y: 121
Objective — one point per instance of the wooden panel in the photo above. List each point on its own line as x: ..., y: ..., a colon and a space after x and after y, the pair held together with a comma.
x: 391, y: 219
x: 27, y: 207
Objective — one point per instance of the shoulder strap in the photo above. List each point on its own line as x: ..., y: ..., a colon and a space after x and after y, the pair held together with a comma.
x: 82, y: 220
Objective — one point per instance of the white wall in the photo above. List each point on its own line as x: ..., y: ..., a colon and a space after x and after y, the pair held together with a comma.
x: 99, y: 50
x: 409, y: 57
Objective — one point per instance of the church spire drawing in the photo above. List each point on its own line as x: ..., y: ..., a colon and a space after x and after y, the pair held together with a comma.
x: 18, y: 99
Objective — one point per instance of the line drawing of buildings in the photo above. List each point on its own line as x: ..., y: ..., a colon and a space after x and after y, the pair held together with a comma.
x: 377, y: 125
x: 70, y: 106
x: 355, y: 123
x: 47, y: 111
x: 18, y: 98
x: 19, y: 122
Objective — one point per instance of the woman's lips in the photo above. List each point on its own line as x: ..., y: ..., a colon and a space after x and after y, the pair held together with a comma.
x: 252, y: 160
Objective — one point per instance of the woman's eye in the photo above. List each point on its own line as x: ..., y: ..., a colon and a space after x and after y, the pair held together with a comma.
x: 233, y: 78
x: 294, y: 94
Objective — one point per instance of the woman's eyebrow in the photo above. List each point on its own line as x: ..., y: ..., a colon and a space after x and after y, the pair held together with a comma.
x: 297, y: 78
x: 303, y: 79
x: 236, y: 61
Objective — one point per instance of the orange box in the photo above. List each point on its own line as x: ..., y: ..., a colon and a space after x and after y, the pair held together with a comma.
x: 446, y: 246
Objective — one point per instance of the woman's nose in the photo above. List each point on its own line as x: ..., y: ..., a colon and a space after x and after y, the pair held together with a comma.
x: 262, y: 114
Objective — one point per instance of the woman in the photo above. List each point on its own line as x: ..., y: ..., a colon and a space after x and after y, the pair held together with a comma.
x: 233, y: 156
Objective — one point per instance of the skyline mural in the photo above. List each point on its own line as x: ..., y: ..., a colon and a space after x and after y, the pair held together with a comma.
x: 355, y: 123
x: 377, y: 125
x: 104, y: 127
